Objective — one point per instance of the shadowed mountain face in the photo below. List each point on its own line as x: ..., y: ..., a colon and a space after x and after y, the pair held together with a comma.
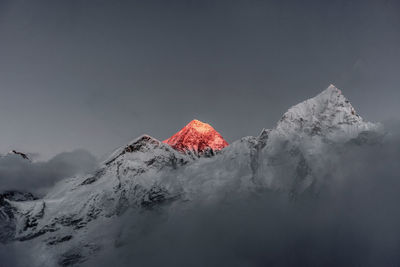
x: 83, y: 215
x: 197, y: 137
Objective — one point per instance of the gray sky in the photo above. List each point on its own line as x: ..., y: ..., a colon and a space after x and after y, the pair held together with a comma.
x: 96, y: 74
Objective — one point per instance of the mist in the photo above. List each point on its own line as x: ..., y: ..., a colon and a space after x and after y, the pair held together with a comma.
x: 353, y: 220
x: 19, y: 174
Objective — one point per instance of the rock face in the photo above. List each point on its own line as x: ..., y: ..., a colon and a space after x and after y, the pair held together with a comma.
x: 74, y: 220
x: 8, y: 211
x: 23, y: 155
x: 198, y: 138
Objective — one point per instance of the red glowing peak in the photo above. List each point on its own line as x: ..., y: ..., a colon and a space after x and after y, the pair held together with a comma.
x: 197, y: 136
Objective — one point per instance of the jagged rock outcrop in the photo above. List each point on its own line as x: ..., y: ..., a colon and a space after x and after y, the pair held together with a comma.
x: 23, y: 155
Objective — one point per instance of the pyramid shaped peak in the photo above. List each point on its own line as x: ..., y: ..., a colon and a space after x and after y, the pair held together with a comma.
x: 197, y: 137
x: 328, y: 110
x: 329, y: 100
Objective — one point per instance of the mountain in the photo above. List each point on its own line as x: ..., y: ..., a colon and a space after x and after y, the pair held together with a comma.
x: 22, y: 155
x: 82, y: 215
x: 198, y: 138
x: 328, y: 114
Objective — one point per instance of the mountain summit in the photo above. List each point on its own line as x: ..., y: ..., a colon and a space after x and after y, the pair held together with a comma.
x: 197, y: 137
x: 328, y: 114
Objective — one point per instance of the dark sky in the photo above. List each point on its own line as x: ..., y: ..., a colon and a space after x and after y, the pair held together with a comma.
x: 96, y: 74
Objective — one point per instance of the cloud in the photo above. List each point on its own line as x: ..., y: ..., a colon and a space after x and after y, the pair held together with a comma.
x: 37, y: 177
x: 352, y: 221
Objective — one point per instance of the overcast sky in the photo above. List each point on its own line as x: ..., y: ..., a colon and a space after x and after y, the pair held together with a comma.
x: 96, y: 74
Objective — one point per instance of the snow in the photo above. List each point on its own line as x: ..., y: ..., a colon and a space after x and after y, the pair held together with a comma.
x: 147, y: 172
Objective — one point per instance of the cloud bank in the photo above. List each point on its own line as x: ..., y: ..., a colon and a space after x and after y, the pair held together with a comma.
x: 19, y: 174
x: 352, y: 221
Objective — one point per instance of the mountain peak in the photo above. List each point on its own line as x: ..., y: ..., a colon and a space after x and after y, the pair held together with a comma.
x: 200, y: 126
x: 327, y: 111
x: 329, y: 103
x: 332, y: 88
x: 197, y: 137
x: 23, y: 155
x: 141, y: 143
x: 331, y: 92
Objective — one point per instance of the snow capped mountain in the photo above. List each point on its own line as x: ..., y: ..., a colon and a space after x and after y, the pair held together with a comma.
x: 198, y: 138
x: 297, y: 144
x: 68, y: 226
x: 328, y: 114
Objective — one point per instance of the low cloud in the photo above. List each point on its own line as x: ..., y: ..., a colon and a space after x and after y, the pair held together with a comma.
x: 353, y: 221
x: 19, y: 174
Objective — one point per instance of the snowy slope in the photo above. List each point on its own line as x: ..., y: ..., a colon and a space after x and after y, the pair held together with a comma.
x: 131, y: 177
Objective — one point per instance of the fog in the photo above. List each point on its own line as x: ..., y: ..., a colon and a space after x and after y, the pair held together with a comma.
x: 19, y: 174
x: 353, y: 220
